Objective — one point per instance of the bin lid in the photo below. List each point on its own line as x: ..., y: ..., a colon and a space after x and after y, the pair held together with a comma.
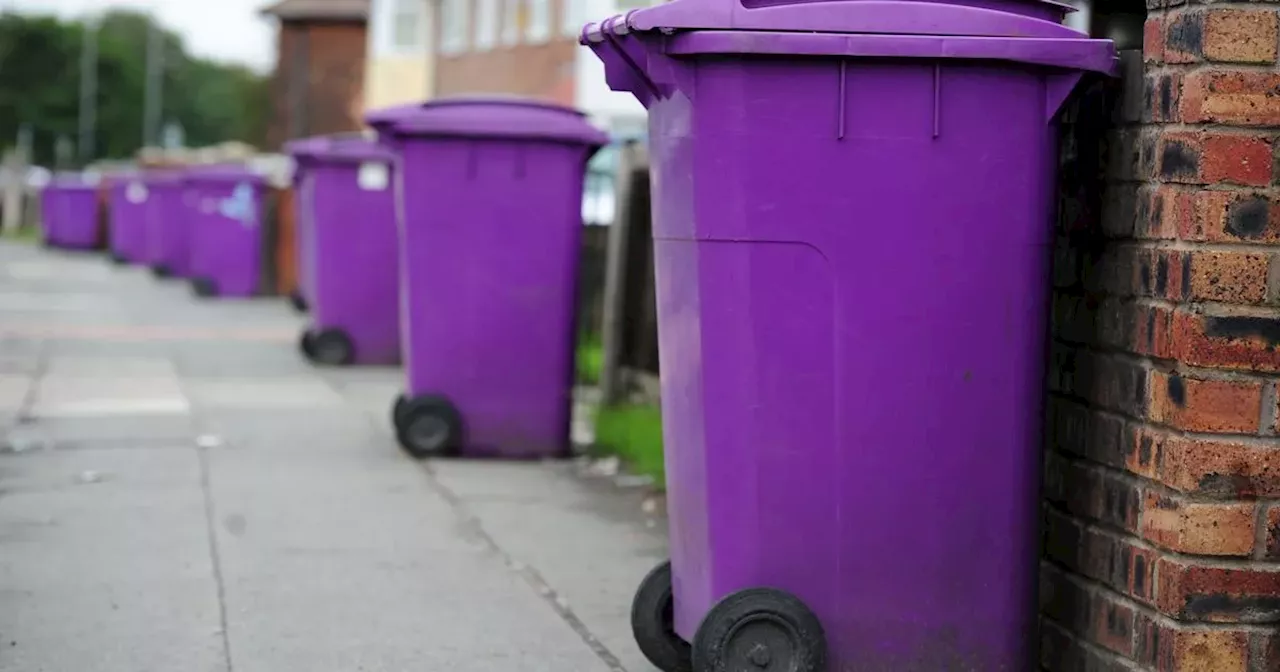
x: 74, y: 180
x: 224, y: 173
x: 504, y: 117
x: 976, y: 18
x: 341, y: 147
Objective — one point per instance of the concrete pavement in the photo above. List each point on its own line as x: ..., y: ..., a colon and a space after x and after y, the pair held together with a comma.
x: 181, y: 492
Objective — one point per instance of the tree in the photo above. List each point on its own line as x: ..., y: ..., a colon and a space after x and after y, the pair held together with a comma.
x: 40, y: 78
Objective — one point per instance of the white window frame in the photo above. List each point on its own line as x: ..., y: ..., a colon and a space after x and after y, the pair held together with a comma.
x: 399, y: 12
x: 487, y: 16
x: 512, y: 21
x: 454, y: 28
x: 538, y: 28
x: 571, y: 20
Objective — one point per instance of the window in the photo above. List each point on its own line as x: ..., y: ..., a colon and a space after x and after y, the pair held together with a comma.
x: 408, y: 25
x: 453, y: 29
x: 539, y: 26
x: 571, y: 20
x: 486, y: 24
x: 512, y: 21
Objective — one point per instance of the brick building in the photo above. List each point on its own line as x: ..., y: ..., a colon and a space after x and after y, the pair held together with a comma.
x: 529, y: 48
x: 318, y: 83
x: 1162, y: 493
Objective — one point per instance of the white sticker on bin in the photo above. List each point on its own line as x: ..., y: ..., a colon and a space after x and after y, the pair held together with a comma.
x: 136, y: 192
x: 373, y: 176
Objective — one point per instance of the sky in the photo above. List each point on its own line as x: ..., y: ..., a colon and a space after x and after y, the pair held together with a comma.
x: 226, y: 30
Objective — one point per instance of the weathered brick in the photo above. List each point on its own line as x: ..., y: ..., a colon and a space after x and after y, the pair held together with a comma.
x: 1079, y: 431
x: 1165, y: 97
x: 1272, y: 522
x: 1199, y: 405
x: 1238, y: 594
x: 1199, y: 528
x: 1153, y: 39
x: 1223, y: 216
x: 1184, y: 37
x: 1264, y: 654
x: 1152, y: 332
x: 1180, y: 158
x: 1236, y: 159
x: 1212, y: 158
x: 1240, y: 36
x: 1116, y: 323
x: 1228, y: 277
x: 1240, y: 342
x: 1169, y: 646
x: 1113, y: 624
x: 1089, y: 492
x: 1231, y: 97
x: 1150, y: 214
x: 1060, y: 652
x: 1216, y: 469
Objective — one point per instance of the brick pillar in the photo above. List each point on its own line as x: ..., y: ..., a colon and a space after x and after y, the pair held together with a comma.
x: 1162, y: 469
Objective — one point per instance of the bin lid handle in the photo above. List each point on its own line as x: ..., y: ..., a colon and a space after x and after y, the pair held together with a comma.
x: 903, y: 17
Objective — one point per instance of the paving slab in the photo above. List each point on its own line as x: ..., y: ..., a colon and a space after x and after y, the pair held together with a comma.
x: 180, y: 490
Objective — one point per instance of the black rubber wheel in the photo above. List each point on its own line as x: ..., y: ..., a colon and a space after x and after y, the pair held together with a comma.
x: 397, y: 409
x: 203, y: 287
x: 161, y: 271
x: 653, y: 623
x: 299, y: 304
x: 306, y: 344
x: 428, y: 426
x: 118, y: 260
x: 760, y: 629
x: 331, y: 347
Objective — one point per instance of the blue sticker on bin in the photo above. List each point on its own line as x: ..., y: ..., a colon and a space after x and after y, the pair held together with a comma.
x: 240, y: 205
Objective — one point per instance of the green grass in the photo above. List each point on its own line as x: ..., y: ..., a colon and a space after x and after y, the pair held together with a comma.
x: 27, y: 234
x: 634, y: 434
x: 590, y: 358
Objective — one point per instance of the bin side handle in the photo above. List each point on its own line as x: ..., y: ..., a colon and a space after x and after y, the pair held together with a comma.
x: 623, y: 71
x: 1058, y: 88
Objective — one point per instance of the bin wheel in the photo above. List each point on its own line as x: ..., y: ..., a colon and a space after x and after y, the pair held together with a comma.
x: 397, y: 409
x: 653, y: 622
x: 299, y: 304
x: 117, y: 259
x: 760, y: 629
x: 330, y: 347
x: 203, y: 287
x: 306, y: 344
x: 161, y: 271
x: 428, y: 426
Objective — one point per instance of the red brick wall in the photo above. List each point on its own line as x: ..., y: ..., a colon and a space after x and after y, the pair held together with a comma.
x: 539, y: 70
x: 1162, y: 492
x: 329, y: 81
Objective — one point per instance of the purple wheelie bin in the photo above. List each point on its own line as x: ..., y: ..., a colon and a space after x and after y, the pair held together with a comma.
x: 852, y: 220
x: 71, y: 213
x: 227, y: 227
x: 168, y: 224
x: 491, y: 221
x: 350, y: 259
x: 127, y: 203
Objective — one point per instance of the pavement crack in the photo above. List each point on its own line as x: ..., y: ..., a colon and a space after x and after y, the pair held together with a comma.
x: 529, y: 573
x: 215, y: 557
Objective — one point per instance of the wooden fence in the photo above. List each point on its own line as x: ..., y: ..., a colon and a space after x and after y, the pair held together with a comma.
x: 628, y: 319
